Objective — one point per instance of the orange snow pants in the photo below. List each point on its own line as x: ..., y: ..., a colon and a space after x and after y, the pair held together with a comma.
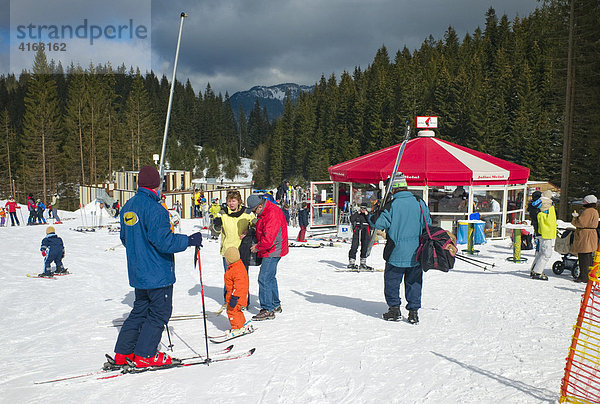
x: 236, y: 317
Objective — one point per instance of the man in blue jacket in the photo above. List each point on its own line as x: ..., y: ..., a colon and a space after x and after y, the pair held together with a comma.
x: 403, y: 222
x: 150, y: 246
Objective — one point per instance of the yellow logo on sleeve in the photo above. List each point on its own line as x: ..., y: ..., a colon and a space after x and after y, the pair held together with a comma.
x: 130, y: 218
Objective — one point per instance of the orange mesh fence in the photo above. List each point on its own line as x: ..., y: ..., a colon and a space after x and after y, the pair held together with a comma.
x: 581, y: 383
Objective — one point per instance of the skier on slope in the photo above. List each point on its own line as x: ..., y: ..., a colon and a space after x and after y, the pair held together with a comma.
x: 32, y: 207
x: 53, y: 250
x: 361, y: 234
x: 236, y: 297
x: 150, y: 246
x: 11, y: 206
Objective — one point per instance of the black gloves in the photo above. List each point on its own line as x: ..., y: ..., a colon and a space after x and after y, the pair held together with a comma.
x: 195, y: 239
x: 233, y: 301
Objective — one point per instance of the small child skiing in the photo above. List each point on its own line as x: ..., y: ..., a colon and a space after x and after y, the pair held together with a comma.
x: 2, y: 217
x: 53, y: 250
x: 236, y: 297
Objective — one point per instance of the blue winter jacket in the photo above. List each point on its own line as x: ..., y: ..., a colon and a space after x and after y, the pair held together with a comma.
x: 149, y: 242
x: 53, y: 245
x: 403, y: 223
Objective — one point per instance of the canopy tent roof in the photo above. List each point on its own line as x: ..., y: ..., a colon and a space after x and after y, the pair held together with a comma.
x: 431, y: 161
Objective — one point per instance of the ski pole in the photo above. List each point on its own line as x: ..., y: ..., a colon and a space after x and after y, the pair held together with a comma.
x: 197, y: 257
x: 169, y: 336
x: 479, y: 261
x: 461, y: 258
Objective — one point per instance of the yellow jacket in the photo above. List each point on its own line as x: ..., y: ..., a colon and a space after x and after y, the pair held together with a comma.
x: 234, y: 224
x: 214, y: 209
x: 547, y: 223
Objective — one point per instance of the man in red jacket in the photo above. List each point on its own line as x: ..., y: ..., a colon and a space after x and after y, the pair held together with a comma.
x: 272, y: 244
x: 32, y: 207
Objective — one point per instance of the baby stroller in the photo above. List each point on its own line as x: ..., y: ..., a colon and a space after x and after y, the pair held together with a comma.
x: 569, y: 261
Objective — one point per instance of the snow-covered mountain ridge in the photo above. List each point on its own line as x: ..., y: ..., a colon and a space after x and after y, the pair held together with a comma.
x: 270, y: 97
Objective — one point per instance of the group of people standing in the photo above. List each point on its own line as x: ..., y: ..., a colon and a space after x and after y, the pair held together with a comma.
x: 585, y: 239
x: 36, y: 210
x: 150, y: 246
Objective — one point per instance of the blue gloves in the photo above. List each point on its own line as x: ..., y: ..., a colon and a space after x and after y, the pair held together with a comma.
x: 233, y: 301
x: 195, y: 239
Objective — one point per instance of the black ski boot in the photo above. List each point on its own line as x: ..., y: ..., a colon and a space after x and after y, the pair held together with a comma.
x: 393, y: 314
x: 413, y: 317
x: 352, y: 264
x: 363, y: 265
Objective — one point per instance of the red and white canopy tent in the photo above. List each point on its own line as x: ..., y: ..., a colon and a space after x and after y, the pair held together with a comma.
x: 428, y: 162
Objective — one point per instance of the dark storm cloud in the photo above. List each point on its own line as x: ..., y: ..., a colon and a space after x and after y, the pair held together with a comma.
x: 236, y: 44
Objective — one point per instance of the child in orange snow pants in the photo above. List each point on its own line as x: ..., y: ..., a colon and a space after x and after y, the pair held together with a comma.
x: 236, y: 285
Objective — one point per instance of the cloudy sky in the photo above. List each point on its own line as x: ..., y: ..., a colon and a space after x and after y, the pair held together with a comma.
x: 237, y: 44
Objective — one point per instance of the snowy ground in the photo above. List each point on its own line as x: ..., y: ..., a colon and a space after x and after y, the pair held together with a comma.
x: 491, y: 336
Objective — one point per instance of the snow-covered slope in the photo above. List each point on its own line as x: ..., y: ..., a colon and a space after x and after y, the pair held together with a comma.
x: 491, y: 336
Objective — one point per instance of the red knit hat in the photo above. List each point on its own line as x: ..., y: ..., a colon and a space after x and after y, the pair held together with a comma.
x: 149, y: 177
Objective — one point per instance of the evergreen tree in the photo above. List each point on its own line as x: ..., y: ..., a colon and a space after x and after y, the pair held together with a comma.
x: 42, y: 124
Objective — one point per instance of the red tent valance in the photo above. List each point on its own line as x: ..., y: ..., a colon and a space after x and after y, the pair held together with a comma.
x: 431, y: 161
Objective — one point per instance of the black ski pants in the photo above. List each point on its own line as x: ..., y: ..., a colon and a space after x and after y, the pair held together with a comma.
x: 360, y: 235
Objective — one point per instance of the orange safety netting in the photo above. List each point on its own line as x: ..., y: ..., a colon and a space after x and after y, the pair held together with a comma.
x: 581, y: 383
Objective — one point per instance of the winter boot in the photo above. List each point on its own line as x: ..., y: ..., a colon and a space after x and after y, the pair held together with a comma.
x: 541, y: 277
x: 393, y: 314
x: 413, y: 318
x: 160, y: 359
x: 364, y: 266
x: 352, y: 264
x: 264, y: 314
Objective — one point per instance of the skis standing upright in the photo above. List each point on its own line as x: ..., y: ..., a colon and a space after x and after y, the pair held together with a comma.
x: 388, y: 188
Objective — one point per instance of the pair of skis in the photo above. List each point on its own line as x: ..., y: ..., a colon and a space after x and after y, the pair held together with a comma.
x: 54, y: 275
x: 110, y: 373
x: 388, y: 188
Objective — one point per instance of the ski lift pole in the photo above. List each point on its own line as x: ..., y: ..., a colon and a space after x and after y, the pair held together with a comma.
x: 388, y: 188
x: 164, y: 144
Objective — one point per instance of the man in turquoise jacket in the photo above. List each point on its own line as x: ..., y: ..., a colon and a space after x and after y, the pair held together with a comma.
x: 150, y: 246
x: 403, y: 222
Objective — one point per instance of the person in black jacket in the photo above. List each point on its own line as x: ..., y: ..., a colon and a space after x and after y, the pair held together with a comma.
x: 533, y: 212
x: 280, y: 195
x: 303, y: 222
x: 361, y: 233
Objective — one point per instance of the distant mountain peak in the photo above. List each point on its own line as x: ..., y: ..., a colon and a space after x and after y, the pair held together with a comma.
x: 270, y: 97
